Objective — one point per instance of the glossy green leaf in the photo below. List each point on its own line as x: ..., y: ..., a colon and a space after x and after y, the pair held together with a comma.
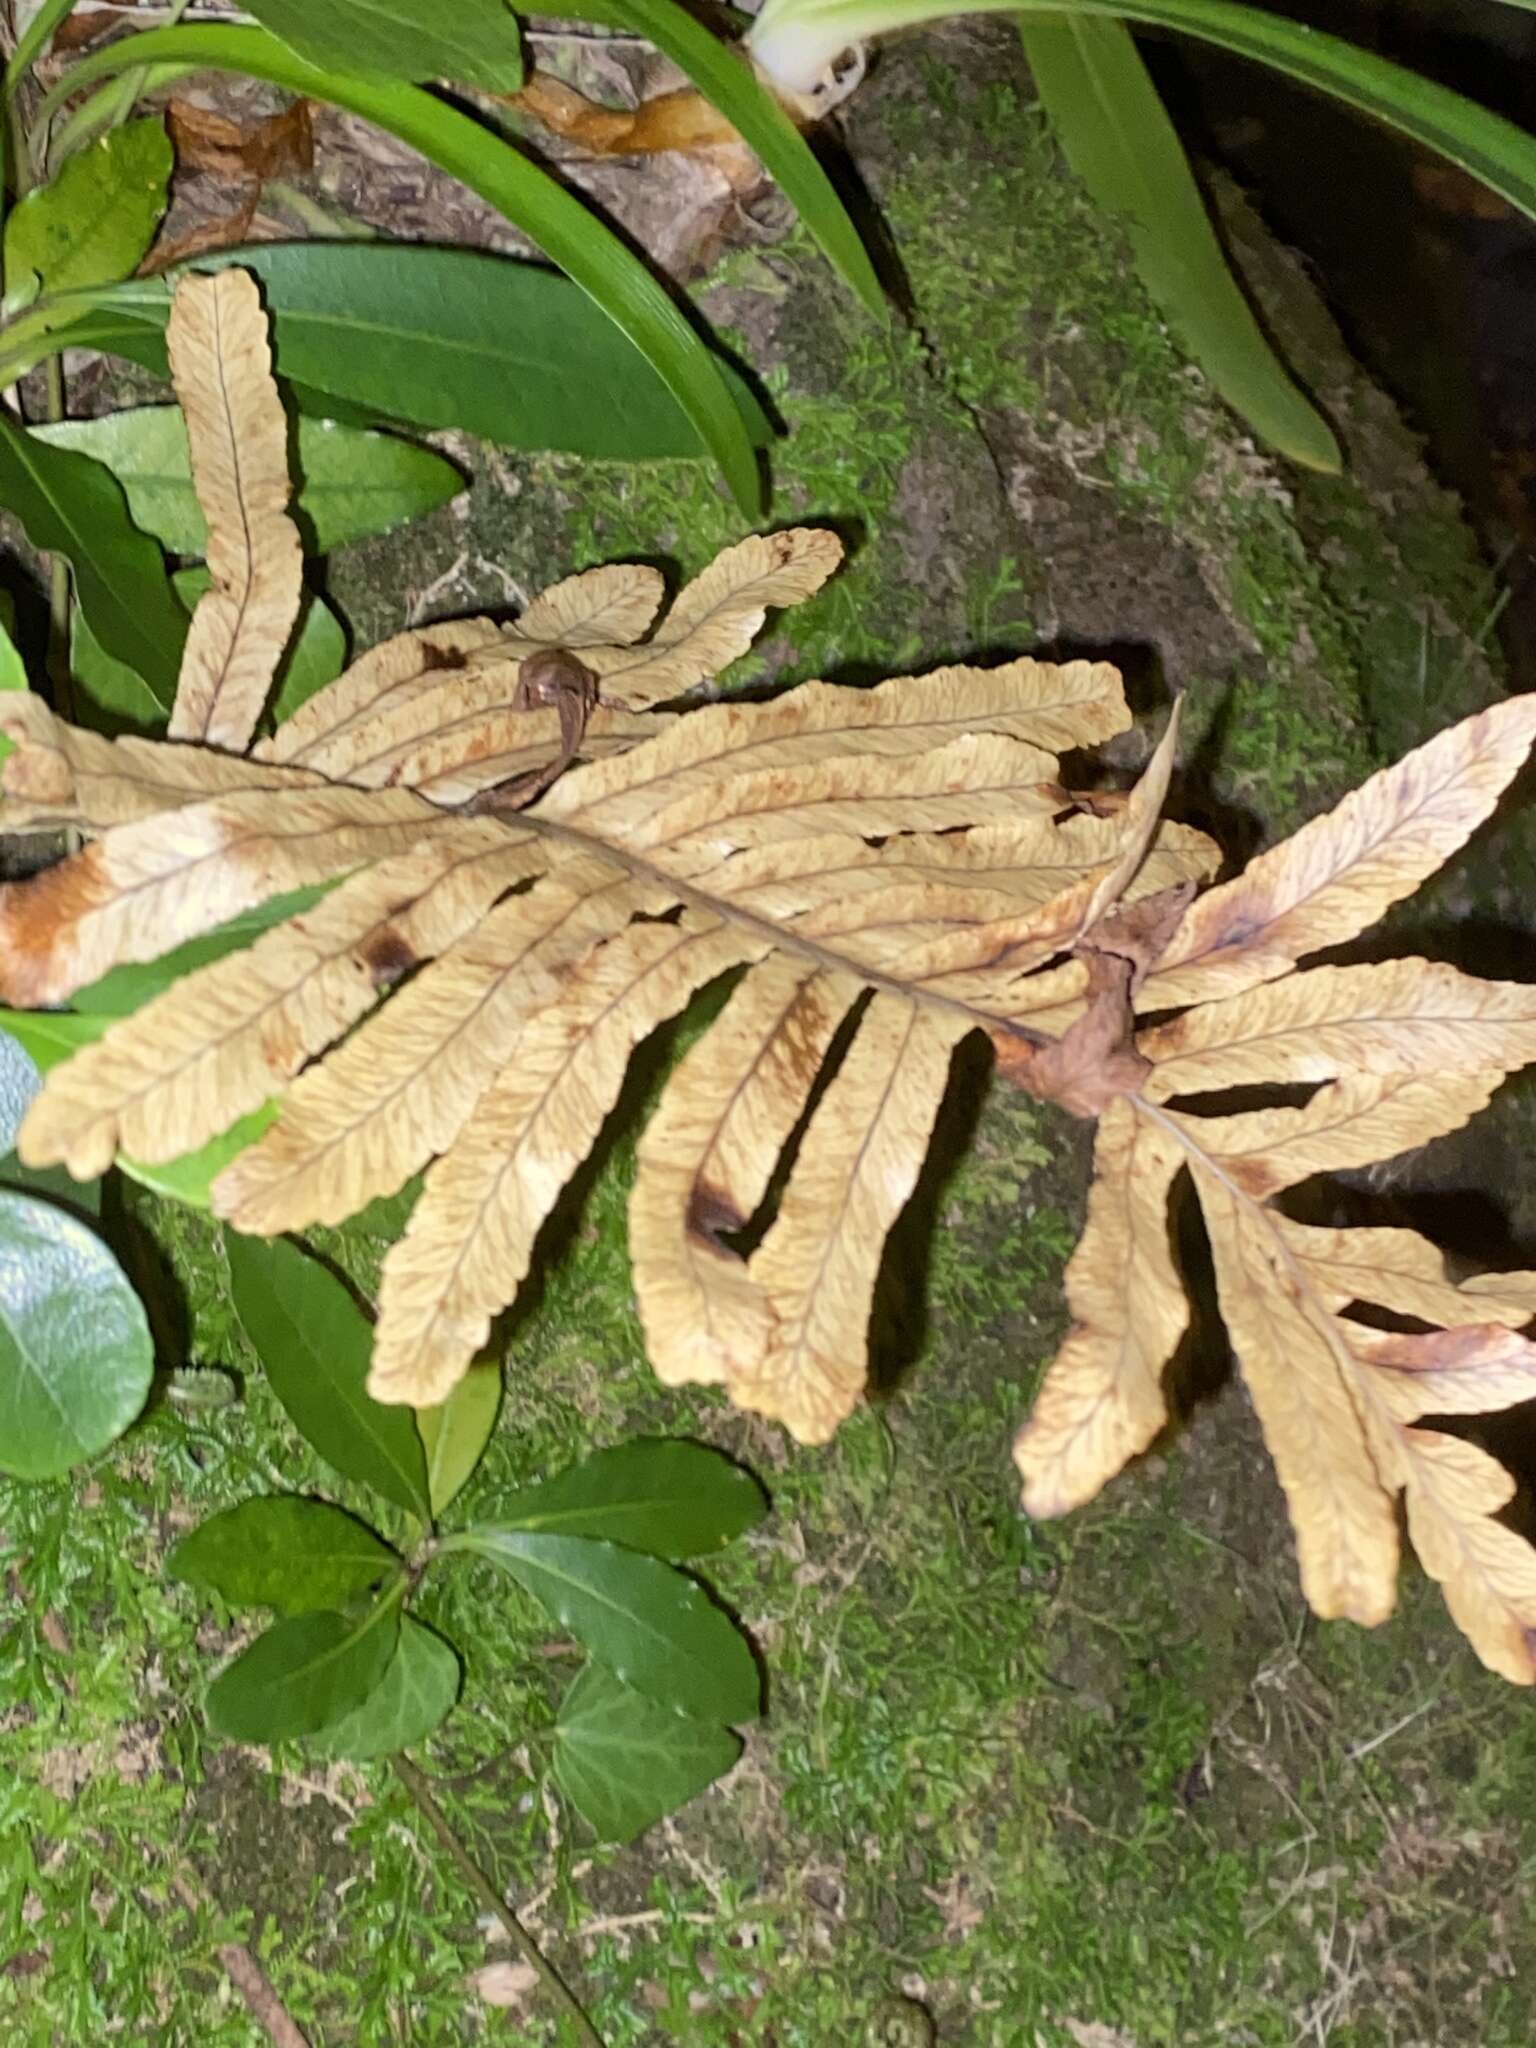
x: 95, y: 221
x: 19, y: 1082
x: 351, y: 483
x: 1118, y: 138
x: 436, y: 338
x: 73, y: 506
x: 470, y: 42
x: 624, y: 1762
x: 122, y: 990
x: 285, y: 1552
x: 728, y: 82
x: 662, y: 1494
x: 304, y: 1674
x: 456, y: 1431
x: 314, y: 1343
x: 557, y: 222
x: 417, y: 1691
x: 76, y: 1358
x: 649, y: 1624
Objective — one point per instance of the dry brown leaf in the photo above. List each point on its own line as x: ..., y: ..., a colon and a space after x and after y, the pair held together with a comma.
x: 237, y: 434
x: 1103, y: 1400
x: 209, y: 142
x: 1405, y: 1051
x: 907, y: 848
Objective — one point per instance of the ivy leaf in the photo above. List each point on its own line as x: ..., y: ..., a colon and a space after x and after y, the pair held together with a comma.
x: 285, y: 1552
x: 304, y: 1674
x: 456, y: 1431
x: 624, y: 1762
x: 351, y: 483
x: 313, y: 1341
x: 654, y: 1628
x: 671, y: 1498
x: 417, y: 1691
x: 470, y: 42
x: 76, y: 1356
x: 96, y: 220
x: 72, y: 506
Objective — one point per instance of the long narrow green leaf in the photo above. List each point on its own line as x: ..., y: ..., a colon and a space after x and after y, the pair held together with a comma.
x: 472, y: 42
x: 1491, y: 148
x: 728, y: 82
x: 1120, y: 141
x: 794, y: 41
x: 74, y: 506
x: 588, y: 252
x: 506, y: 349
x: 32, y: 41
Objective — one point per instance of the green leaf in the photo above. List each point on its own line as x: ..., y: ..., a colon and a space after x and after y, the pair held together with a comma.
x: 305, y: 1673
x: 351, y: 483
x: 316, y: 657
x: 1118, y: 138
x: 190, y: 1178
x: 663, y: 1495
x: 623, y: 1762
x: 19, y: 1082
x: 76, y: 1357
x: 13, y: 674
x: 456, y: 1431
x: 124, y: 702
x: 557, y: 222
x: 284, y: 1552
x: 122, y: 990
x: 653, y: 1627
x: 437, y: 338
x: 728, y: 82
x: 48, y: 1036
x: 96, y: 220
x: 1491, y: 148
x: 72, y: 506
x: 111, y: 697
x: 33, y: 39
x: 417, y: 1691
x: 471, y: 42
x: 314, y: 1342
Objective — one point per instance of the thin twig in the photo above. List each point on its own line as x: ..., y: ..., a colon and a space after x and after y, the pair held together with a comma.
x: 249, y: 1979
x: 490, y: 1896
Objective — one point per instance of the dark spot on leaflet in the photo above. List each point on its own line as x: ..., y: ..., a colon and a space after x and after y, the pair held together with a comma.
x: 387, y: 956
x: 712, y: 1215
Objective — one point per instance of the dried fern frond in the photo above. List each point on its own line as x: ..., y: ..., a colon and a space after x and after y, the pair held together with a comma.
x: 550, y: 855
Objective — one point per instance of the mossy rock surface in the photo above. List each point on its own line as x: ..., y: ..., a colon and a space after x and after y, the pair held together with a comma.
x: 1100, y: 1784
